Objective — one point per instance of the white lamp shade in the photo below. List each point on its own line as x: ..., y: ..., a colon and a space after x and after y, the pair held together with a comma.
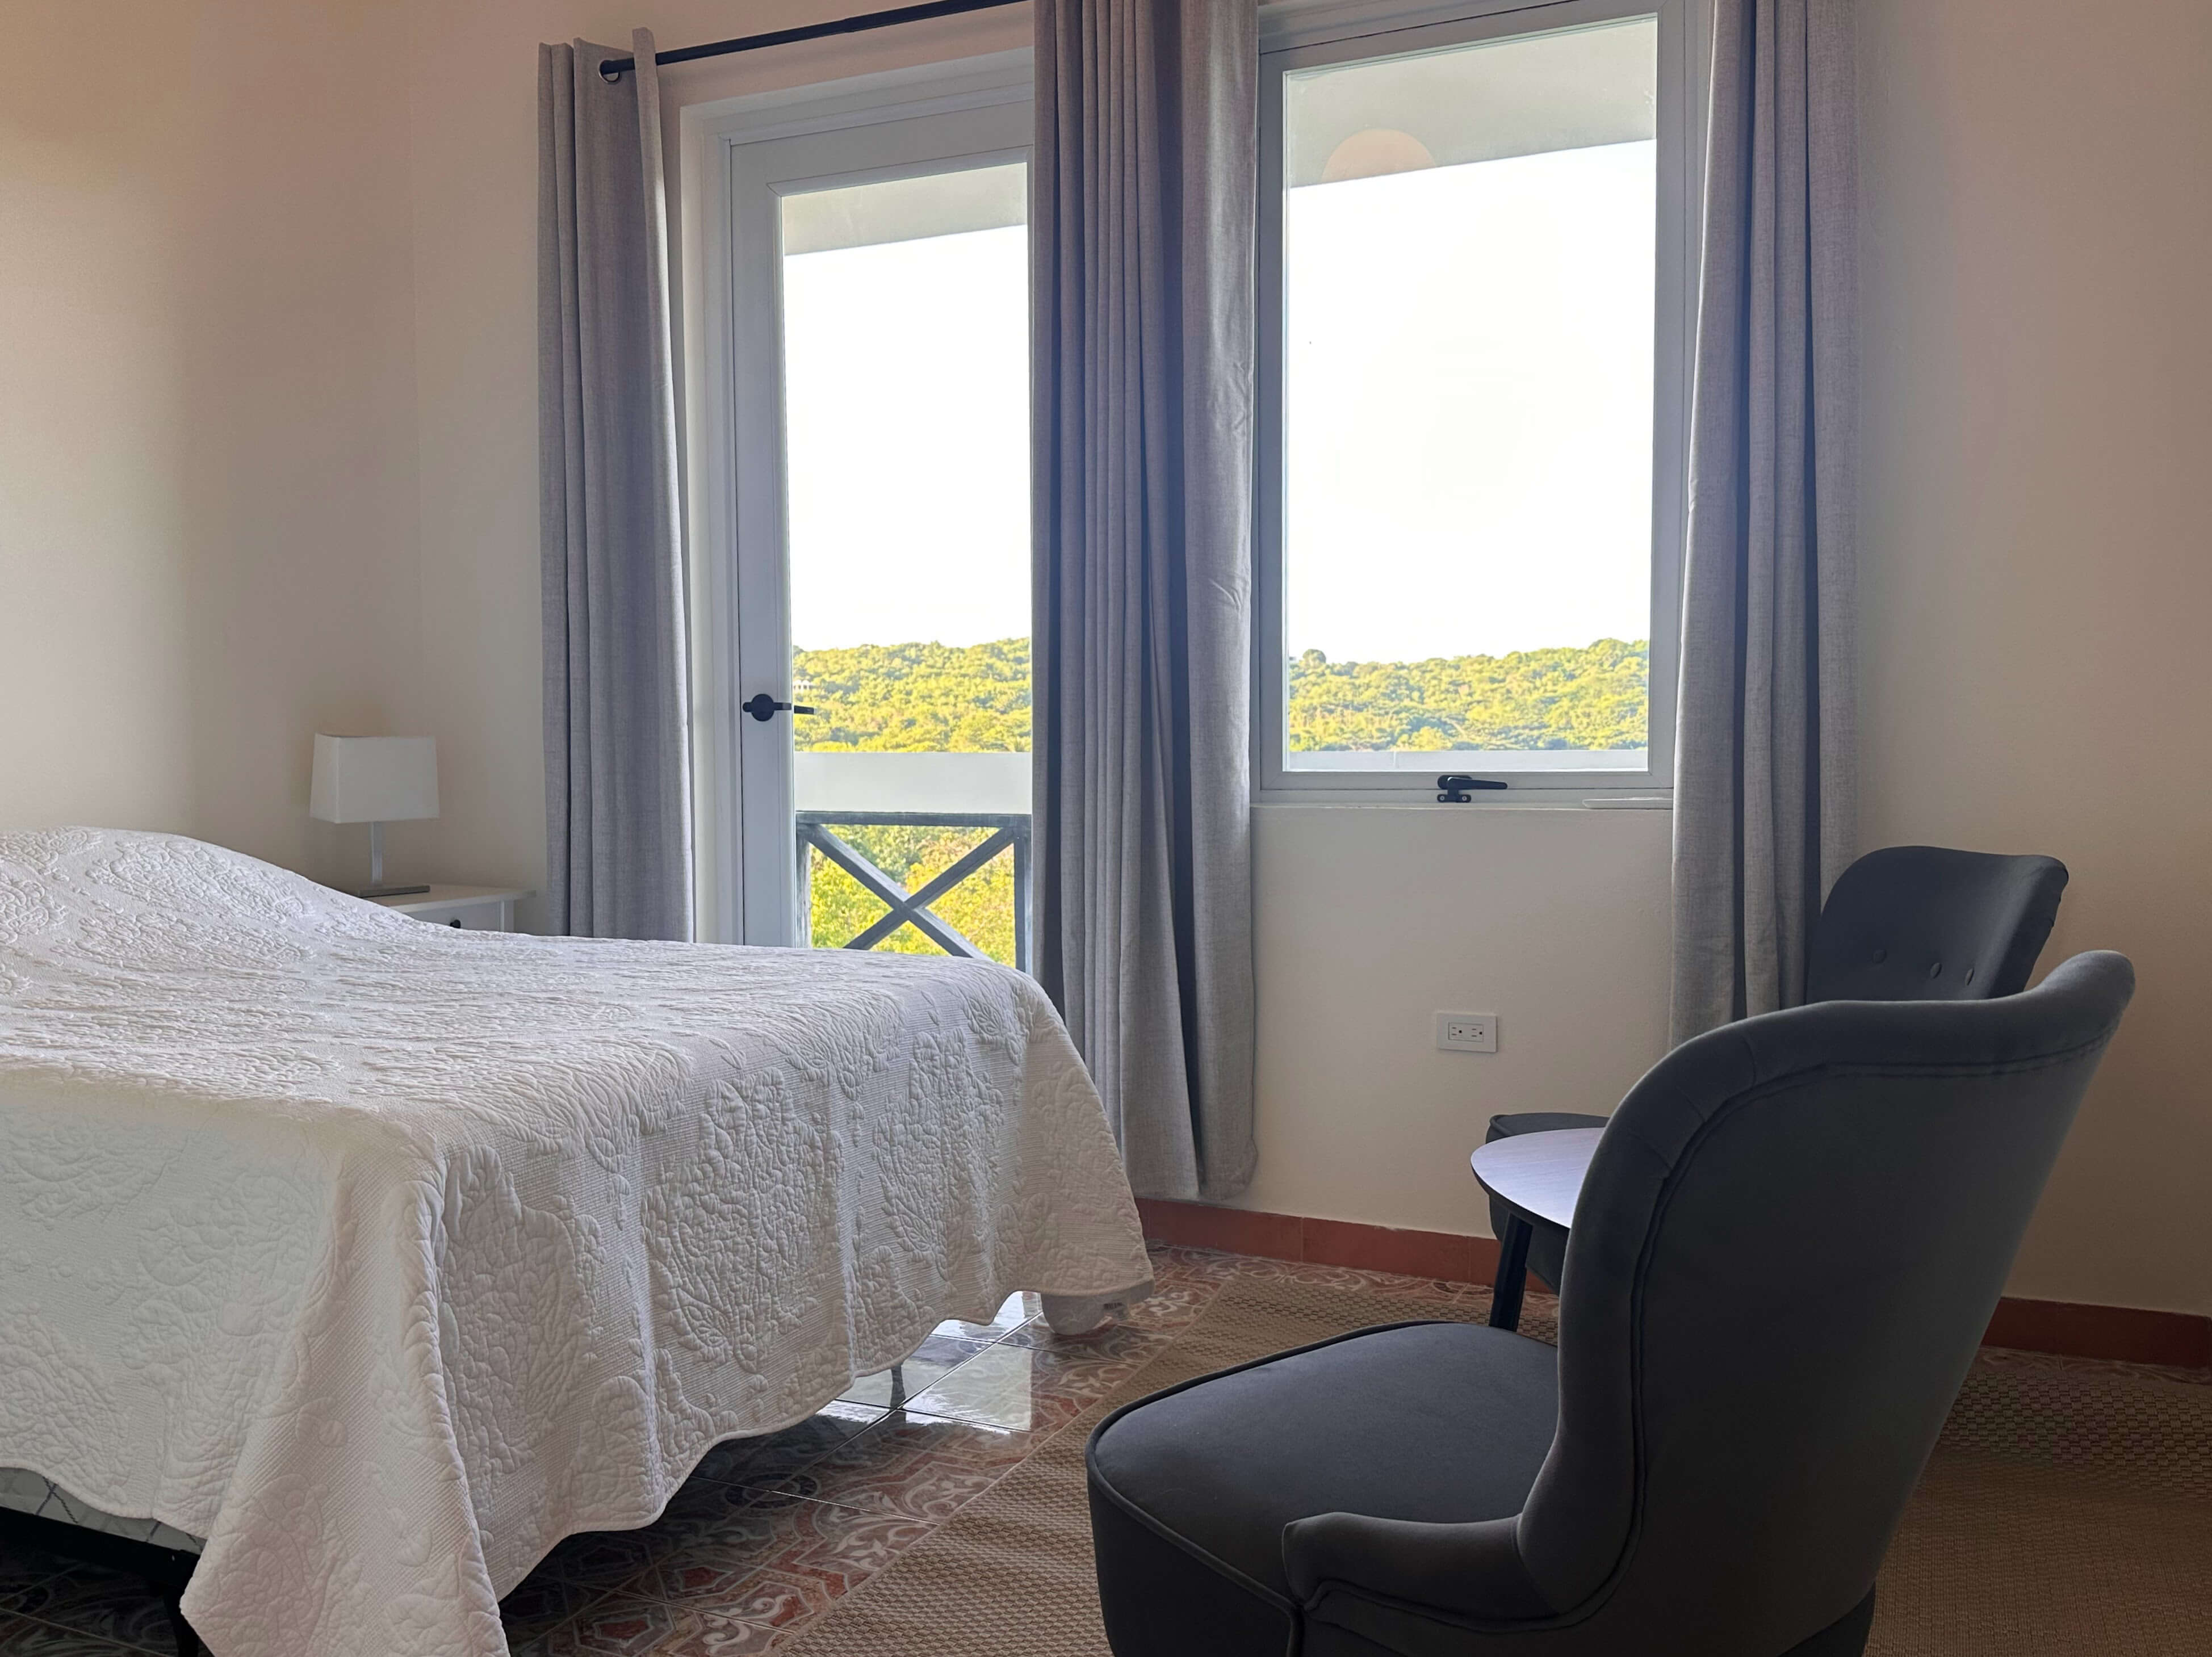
x: 373, y: 779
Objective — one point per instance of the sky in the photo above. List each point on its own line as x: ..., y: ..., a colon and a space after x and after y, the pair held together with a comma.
x: 906, y: 433
x: 1468, y: 447
x: 1467, y: 407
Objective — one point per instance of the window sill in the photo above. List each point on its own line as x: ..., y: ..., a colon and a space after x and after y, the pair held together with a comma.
x: 1533, y: 799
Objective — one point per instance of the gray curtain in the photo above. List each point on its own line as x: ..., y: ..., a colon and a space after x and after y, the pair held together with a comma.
x: 617, y: 776
x: 1143, y: 230
x: 1765, y: 763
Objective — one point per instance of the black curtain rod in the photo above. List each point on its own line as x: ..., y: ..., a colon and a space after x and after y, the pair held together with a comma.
x: 613, y: 67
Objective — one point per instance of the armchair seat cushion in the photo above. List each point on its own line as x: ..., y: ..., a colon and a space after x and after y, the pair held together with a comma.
x: 1190, y: 1490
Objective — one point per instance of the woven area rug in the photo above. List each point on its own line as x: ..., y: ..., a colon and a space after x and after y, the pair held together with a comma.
x: 2068, y: 1510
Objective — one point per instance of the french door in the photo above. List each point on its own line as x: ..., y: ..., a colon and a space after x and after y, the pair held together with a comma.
x: 874, y: 709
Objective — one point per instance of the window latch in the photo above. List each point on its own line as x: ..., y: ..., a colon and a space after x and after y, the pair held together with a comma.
x: 1455, y: 785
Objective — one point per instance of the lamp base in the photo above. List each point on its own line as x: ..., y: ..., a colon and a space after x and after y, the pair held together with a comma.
x: 376, y: 887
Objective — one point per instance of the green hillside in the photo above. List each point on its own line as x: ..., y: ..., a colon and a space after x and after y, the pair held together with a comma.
x: 1593, y: 697
x: 925, y: 698
x: 907, y: 699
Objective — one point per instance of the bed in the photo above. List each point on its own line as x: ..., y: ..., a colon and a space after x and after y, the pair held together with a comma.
x: 373, y: 1258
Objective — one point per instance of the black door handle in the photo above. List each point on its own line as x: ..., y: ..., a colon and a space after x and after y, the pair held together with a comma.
x: 765, y: 707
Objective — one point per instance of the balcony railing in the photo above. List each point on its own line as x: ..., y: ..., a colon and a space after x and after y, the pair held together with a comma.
x: 902, y: 907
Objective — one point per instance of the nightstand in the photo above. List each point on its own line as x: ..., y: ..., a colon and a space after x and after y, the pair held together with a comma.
x: 471, y: 909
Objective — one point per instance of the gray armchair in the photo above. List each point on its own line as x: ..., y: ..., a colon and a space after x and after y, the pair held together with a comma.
x: 1907, y: 923
x: 1795, y: 1230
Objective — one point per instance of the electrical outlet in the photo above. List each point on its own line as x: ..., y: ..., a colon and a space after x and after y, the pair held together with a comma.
x: 1467, y: 1032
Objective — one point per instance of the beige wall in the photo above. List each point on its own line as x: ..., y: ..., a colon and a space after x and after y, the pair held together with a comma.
x: 93, y: 669
x: 207, y: 488
x: 1373, y: 919
x: 2037, y: 265
x: 267, y: 310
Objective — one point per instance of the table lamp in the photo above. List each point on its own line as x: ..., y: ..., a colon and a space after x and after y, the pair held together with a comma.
x: 376, y: 780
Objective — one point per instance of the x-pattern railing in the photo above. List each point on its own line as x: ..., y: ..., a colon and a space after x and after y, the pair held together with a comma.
x: 903, y: 907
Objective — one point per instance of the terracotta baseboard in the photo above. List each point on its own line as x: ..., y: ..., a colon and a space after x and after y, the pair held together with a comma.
x: 2094, y: 1332
x: 1444, y: 1255
x: 2132, y: 1332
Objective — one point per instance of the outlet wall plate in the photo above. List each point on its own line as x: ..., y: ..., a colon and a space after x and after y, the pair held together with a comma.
x: 1467, y: 1032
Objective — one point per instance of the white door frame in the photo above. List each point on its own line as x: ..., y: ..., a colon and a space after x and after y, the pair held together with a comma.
x: 747, y: 885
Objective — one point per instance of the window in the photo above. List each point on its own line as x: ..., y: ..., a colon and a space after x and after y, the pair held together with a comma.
x: 1471, y: 312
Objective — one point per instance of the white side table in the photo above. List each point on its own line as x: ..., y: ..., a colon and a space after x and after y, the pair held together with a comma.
x: 471, y: 909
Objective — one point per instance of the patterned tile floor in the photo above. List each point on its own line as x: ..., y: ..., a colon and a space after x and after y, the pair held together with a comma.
x: 770, y: 1532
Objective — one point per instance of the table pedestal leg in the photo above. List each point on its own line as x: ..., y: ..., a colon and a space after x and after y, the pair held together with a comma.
x: 1512, y: 1274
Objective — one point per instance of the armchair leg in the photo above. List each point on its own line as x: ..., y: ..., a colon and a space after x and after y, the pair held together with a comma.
x: 1512, y: 1275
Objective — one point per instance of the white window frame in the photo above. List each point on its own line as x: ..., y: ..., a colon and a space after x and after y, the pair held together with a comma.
x: 720, y: 443
x: 1298, y: 37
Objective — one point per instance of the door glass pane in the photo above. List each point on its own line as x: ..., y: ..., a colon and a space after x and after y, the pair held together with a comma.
x: 1467, y: 284
x: 906, y: 431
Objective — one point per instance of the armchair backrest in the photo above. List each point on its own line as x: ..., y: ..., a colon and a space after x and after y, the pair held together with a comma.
x: 1925, y: 923
x: 1788, y: 1247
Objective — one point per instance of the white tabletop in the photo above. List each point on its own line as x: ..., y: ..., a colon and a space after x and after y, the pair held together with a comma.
x: 443, y: 898
x: 1539, y: 1174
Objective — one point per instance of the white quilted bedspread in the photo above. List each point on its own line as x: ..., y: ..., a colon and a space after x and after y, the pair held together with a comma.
x: 384, y: 1255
